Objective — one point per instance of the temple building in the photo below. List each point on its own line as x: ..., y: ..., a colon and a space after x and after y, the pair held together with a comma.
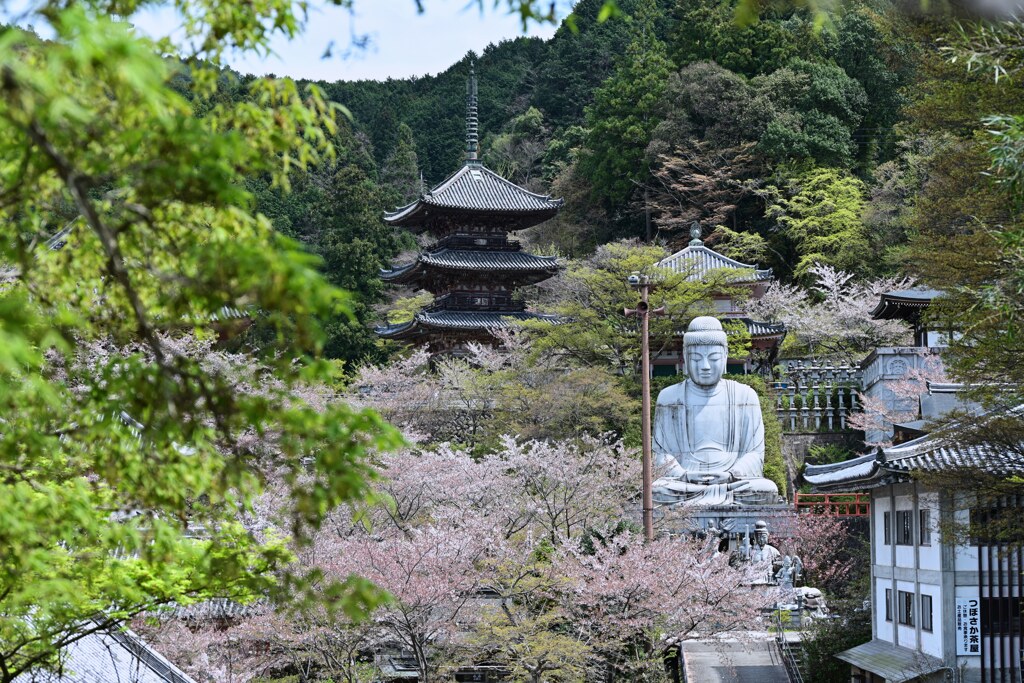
x: 696, y: 262
x: 473, y: 267
x: 911, y: 306
x: 887, y: 366
x: 946, y: 604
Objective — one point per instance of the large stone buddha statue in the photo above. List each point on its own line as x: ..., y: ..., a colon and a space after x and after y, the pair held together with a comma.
x: 708, y: 433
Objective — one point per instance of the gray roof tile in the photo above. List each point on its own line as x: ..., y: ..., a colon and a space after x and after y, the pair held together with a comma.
x: 935, y: 452
x: 696, y: 261
x: 762, y: 329
x: 894, y: 664
x: 474, y: 260
x: 108, y: 657
x: 475, y: 187
x: 459, y: 320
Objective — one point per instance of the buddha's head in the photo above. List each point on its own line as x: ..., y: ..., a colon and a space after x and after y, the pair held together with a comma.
x: 706, y: 351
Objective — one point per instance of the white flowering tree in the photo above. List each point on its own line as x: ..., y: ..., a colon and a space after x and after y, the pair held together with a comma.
x: 832, y: 318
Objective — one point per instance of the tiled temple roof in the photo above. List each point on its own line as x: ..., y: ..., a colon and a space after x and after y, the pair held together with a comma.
x: 476, y: 188
x: 111, y: 656
x: 904, y: 304
x: 762, y: 329
x: 932, y: 453
x: 854, y: 474
x: 473, y: 260
x: 696, y: 261
x: 482, y: 321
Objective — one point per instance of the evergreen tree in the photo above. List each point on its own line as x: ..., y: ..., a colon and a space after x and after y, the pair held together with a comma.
x: 812, y: 110
x: 708, y: 31
x: 820, y: 213
x: 625, y: 111
x: 401, y: 172
x: 336, y: 210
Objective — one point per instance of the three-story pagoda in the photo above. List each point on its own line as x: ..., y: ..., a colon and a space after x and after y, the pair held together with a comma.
x: 473, y: 268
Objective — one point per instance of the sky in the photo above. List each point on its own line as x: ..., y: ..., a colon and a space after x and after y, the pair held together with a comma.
x: 402, y: 42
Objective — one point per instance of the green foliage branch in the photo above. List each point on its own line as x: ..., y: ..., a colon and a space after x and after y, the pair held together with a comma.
x: 126, y: 225
x: 593, y: 294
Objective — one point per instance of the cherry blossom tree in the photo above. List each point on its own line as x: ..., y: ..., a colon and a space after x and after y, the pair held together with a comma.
x: 902, y: 402
x: 831, y: 554
x: 833, y: 317
x: 445, y: 485
x: 430, y: 574
x: 493, y: 391
x: 570, y: 486
x: 632, y: 600
x: 523, y: 557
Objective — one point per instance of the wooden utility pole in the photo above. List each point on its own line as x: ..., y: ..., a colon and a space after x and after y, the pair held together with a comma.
x: 643, y: 283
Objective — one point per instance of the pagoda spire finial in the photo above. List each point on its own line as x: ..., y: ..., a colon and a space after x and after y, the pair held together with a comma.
x: 695, y: 231
x: 472, y: 124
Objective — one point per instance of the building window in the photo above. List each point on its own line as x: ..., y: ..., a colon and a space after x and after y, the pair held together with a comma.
x: 925, y: 527
x: 1000, y: 616
x: 904, y: 527
x: 886, y: 528
x: 888, y: 602
x: 906, y: 607
x: 989, y: 524
x: 926, y: 612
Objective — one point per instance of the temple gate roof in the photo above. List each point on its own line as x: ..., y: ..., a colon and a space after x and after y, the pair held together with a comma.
x: 904, y: 304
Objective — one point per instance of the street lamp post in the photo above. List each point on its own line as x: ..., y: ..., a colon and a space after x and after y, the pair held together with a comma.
x: 643, y: 283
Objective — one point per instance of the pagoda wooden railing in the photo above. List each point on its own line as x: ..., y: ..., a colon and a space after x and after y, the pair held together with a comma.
x: 482, y: 301
x: 487, y: 241
x: 838, y: 504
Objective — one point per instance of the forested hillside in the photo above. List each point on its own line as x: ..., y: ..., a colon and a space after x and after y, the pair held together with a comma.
x: 857, y: 145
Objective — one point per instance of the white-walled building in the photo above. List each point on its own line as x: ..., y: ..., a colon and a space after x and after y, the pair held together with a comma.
x: 941, y: 610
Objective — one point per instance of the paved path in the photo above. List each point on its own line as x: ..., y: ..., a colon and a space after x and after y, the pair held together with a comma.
x: 734, y: 662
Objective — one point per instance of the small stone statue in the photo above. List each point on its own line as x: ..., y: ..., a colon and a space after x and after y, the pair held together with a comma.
x: 708, y: 433
x: 741, y: 555
x: 784, y: 577
x: 763, y: 551
x: 812, y: 601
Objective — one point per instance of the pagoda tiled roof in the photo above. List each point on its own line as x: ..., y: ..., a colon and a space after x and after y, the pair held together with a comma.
x: 474, y: 187
x: 482, y: 321
x: 473, y: 260
x: 696, y: 261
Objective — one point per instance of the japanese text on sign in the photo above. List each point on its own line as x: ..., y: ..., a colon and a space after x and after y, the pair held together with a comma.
x: 968, y: 626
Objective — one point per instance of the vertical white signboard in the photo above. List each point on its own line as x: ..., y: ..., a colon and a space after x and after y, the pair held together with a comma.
x: 968, y: 627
